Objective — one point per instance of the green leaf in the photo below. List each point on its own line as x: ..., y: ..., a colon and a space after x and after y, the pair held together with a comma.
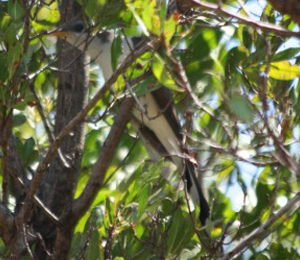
x: 227, y: 170
x: 142, y: 88
x: 15, y: 10
x: 3, y: 67
x: 283, y: 70
x: 130, y: 186
x: 241, y: 108
x: 92, y: 139
x: 82, y: 222
x: 48, y: 14
x: 28, y: 149
x: 91, y: 8
x: 93, y: 251
x: 77, y: 243
x: 116, y: 51
x: 109, y: 207
x: 180, y: 232
x: 137, y: 18
x: 140, y: 230
x: 40, y: 79
x: 167, y: 206
x: 25, y: 131
x: 286, y: 54
x: 19, y: 120
x: 262, y: 257
x: 169, y: 29
x: 81, y: 183
x: 264, y: 194
x: 14, y: 57
x: 161, y: 74
x: 150, y: 17
x: 143, y: 199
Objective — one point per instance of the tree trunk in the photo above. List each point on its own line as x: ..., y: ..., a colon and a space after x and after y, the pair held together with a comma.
x: 59, y: 181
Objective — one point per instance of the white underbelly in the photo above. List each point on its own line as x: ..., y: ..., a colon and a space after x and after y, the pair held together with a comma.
x: 156, y: 121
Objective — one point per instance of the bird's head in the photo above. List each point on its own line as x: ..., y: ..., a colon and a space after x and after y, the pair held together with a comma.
x: 80, y: 36
x: 75, y: 33
x: 97, y: 46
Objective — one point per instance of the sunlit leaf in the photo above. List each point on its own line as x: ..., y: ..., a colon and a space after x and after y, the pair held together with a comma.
x: 49, y: 14
x: 140, y: 230
x: 150, y: 17
x: 169, y: 29
x: 283, y: 70
x: 25, y: 130
x: 161, y: 73
x: 138, y: 18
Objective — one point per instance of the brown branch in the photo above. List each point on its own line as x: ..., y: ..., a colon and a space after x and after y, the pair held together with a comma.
x: 109, y: 244
x: 263, y: 229
x: 243, y: 19
x: 107, y: 153
x: 5, y: 132
x: 6, y: 224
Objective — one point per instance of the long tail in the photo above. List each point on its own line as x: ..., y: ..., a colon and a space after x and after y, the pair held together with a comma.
x: 161, y: 134
x: 194, y: 189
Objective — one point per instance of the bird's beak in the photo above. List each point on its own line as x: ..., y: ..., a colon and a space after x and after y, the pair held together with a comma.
x: 59, y: 33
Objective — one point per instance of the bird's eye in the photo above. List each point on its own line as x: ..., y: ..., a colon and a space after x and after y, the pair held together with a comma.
x: 78, y: 27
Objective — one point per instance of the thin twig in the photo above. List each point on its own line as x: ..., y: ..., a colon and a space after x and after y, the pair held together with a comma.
x: 256, y: 24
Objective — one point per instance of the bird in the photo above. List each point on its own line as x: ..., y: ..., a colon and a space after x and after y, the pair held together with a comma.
x: 156, y: 121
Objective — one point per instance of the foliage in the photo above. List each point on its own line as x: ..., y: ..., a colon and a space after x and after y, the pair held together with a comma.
x: 239, y: 108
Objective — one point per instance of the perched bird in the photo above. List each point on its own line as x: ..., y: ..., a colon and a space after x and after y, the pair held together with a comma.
x: 157, y: 124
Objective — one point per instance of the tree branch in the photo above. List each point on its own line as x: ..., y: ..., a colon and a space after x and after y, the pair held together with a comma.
x: 256, y: 24
x: 6, y: 224
x: 107, y: 153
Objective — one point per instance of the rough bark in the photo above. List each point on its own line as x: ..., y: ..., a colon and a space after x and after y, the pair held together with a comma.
x: 6, y: 223
x: 58, y: 183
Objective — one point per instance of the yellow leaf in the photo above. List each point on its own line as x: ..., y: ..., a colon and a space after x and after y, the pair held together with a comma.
x: 283, y: 70
x: 169, y: 29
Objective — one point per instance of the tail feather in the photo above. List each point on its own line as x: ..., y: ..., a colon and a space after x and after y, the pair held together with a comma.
x: 193, y: 184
